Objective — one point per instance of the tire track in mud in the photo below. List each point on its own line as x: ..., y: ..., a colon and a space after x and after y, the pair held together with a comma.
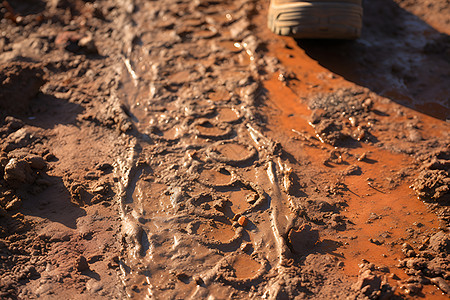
x: 187, y: 236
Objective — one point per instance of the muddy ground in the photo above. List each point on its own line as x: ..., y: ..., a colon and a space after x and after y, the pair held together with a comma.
x: 179, y: 150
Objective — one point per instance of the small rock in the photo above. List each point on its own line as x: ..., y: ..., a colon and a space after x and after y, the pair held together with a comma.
x: 414, y: 136
x: 304, y: 239
x: 82, y: 264
x: 236, y: 217
x: 393, y: 276
x: 114, y: 262
x: 442, y: 284
x: 99, y: 189
x: 245, y: 247
x: 243, y: 221
x: 373, y: 217
x: 252, y: 198
x: 88, y: 44
x: 368, y: 104
x: 383, y: 269
x: 362, y: 157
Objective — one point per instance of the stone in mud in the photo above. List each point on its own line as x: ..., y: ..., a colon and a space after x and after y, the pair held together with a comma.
x: 19, y: 83
x: 245, y: 247
x: 330, y: 132
x: 303, y: 240
x: 87, y: 43
x: 416, y: 263
x: 18, y: 172
x: 442, y: 284
x: 82, y: 264
x: 440, y: 242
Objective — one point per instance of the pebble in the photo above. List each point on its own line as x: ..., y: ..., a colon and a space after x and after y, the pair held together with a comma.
x: 82, y: 264
x: 243, y: 221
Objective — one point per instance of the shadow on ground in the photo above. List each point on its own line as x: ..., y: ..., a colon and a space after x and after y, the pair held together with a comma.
x: 53, y: 204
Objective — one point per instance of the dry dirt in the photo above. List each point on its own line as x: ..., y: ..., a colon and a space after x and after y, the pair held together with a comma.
x: 179, y: 150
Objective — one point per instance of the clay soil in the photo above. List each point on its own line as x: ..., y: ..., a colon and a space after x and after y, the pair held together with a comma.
x: 177, y: 149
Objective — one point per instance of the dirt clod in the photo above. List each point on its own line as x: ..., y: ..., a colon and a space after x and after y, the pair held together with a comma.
x: 19, y: 83
x: 442, y: 284
x: 82, y: 264
x: 18, y: 172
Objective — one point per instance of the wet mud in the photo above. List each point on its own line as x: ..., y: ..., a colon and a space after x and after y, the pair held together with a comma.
x: 178, y: 149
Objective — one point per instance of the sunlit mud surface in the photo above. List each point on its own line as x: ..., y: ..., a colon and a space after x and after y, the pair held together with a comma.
x: 221, y: 161
x: 217, y: 198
